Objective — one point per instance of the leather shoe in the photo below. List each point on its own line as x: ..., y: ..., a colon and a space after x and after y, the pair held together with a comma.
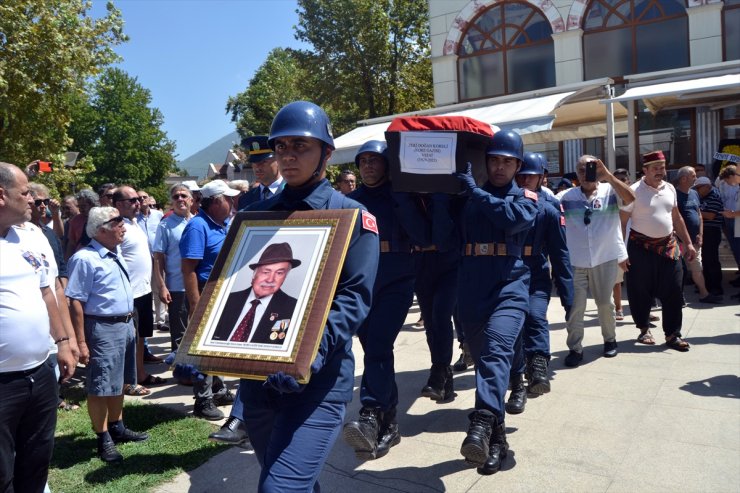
x: 150, y: 358
x: 573, y: 359
x: 108, y: 452
x: 129, y: 435
x: 518, y: 396
x: 497, y: 451
x: 233, y: 432
x: 610, y: 349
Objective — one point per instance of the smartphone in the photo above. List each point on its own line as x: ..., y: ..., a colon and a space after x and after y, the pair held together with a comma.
x: 591, y: 171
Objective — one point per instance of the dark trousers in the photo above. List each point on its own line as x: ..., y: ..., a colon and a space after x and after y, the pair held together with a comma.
x: 492, y: 347
x: 377, y: 335
x: 178, y: 313
x: 535, y: 335
x: 28, y: 417
x: 710, y: 258
x: 436, y: 291
x: 292, y: 442
x: 654, y: 276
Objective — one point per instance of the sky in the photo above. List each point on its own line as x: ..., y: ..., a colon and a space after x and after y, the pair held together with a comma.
x: 193, y: 54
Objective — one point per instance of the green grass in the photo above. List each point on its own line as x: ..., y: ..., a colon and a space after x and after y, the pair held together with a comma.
x: 177, y: 443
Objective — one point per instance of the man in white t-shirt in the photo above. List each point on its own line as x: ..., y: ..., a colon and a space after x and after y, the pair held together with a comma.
x: 28, y: 314
x: 597, y: 252
x: 135, y: 251
x: 654, y: 253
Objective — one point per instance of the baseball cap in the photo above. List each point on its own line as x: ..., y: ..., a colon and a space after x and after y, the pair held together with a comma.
x: 702, y: 180
x: 218, y: 187
x: 192, y: 185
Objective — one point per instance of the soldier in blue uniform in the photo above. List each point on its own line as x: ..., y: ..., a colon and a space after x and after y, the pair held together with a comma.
x: 266, y: 172
x: 545, y: 240
x: 376, y: 430
x: 292, y: 427
x: 494, y: 291
x: 437, y: 266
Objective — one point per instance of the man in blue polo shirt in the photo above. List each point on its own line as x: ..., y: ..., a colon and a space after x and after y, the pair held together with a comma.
x: 199, y: 246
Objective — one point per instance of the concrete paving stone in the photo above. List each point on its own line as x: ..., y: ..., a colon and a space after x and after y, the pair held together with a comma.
x: 547, y: 479
x: 697, y: 426
x: 611, y: 385
x: 681, y: 466
x: 718, y: 394
x: 622, y: 485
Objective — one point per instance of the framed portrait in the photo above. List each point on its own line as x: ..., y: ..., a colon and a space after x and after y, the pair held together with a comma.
x: 266, y: 302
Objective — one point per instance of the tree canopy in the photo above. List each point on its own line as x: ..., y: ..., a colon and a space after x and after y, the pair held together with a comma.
x: 121, y: 133
x: 48, y: 49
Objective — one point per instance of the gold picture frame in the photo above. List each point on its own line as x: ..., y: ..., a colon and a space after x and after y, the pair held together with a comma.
x: 293, y: 285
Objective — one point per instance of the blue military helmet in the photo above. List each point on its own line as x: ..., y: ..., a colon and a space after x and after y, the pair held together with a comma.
x: 375, y: 146
x: 506, y: 143
x: 531, y: 164
x: 301, y: 118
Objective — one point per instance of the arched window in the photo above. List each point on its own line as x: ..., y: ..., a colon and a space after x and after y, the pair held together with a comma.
x: 731, y: 21
x: 624, y: 37
x: 506, y: 49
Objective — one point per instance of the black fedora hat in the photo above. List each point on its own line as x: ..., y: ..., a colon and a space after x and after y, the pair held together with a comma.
x: 277, y: 252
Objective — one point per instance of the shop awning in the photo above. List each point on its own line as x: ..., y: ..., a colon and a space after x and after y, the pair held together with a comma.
x: 686, y: 93
x: 548, y: 118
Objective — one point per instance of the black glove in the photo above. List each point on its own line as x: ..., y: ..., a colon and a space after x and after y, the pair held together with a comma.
x: 467, y: 178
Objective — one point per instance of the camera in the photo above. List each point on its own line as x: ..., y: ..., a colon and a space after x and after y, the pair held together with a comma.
x: 591, y: 171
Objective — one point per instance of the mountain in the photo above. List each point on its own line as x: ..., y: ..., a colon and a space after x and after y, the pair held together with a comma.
x: 197, y: 164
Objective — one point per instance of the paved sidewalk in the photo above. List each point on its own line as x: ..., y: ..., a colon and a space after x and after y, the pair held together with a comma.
x: 649, y: 420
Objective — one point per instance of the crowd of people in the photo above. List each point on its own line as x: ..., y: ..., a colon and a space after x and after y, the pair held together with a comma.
x: 89, y: 278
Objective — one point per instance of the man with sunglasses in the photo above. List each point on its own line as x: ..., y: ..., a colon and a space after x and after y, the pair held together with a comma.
x: 597, y: 251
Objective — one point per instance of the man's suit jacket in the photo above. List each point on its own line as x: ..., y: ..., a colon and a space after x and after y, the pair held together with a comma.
x: 281, y: 307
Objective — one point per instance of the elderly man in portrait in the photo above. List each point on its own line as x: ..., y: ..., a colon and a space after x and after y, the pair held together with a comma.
x: 102, y: 305
x: 262, y: 312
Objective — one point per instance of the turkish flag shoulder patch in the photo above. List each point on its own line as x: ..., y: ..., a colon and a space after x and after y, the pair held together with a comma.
x: 530, y: 194
x: 369, y: 222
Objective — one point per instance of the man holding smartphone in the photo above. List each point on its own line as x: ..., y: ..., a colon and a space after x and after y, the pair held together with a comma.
x: 597, y: 251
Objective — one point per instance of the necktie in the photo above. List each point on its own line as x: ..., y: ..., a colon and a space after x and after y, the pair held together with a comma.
x: 241, y: 334
x: 266, y: 194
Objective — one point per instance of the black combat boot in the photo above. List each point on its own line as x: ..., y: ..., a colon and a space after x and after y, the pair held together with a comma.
x: 497, y: 451
x: 518, y: 396
x: 362, y: 435
x: 389, y: 435
x: 476, y: 445
x: 439, y: 387
x: 466, y: 359
x: 539, y: 383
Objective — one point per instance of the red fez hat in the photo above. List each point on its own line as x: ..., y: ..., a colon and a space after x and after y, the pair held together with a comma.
x: 653, y: 157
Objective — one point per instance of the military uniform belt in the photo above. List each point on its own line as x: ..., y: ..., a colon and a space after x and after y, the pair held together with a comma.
x: 112, y: 320
x: 485, y: 249
x: 527, y: 252
x: 432, y: 248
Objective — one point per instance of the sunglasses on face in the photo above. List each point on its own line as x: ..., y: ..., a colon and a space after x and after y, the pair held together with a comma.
x: 38, y: 202
x: 114, y: 220
x: 587, y: 216
x: 132, y: 200
x: 180, y: 196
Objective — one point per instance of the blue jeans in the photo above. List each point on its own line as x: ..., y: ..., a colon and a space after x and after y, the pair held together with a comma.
x: 292, y: 441
x: 28, y: 417
x: 492, y: 347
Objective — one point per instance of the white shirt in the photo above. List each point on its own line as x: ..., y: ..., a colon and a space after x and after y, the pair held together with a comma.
x: 652, y: 209
x: 24, y: 319
x: 258, y: 312
x: 601, y: 240
x: 135, y: 250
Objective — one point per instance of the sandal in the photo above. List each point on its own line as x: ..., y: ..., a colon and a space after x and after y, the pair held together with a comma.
x: 152, y: 380
x: 66, y: 406
x: 646, y: 338
x: 136, y: 390
x: 654, y: 318
x: 619, y: 315
x: 678, y: 344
